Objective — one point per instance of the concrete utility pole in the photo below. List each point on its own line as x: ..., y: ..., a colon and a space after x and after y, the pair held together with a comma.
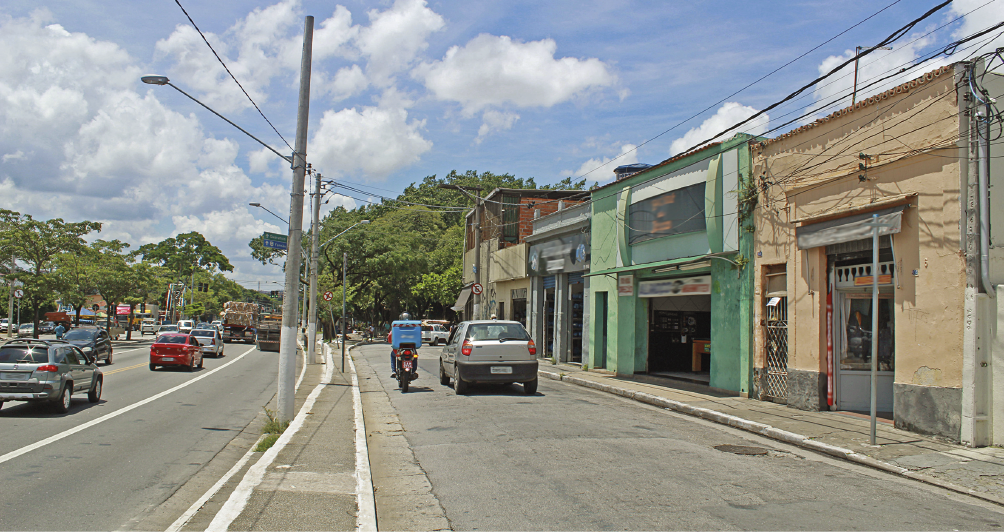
x: 315, y: 234
x: 287, y: 338
x: 345, y: 260
x: 477, y: 241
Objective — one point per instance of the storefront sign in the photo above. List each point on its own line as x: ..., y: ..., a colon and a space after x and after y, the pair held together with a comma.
x: 625, y: 285
x: 122, y: 310
x: 569, y: 253
x: 690, y: 286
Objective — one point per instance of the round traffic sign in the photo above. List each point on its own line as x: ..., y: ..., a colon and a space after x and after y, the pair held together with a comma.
x: 328, y: 295
x: 19, y: 293
x: 477, y: 288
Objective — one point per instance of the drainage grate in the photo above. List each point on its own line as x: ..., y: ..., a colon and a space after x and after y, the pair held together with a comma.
x: 742, y: 449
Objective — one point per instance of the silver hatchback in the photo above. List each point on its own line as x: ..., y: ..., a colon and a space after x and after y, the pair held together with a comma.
x: 489, y: 351
x: 210, y: 340
x: 47, y: 371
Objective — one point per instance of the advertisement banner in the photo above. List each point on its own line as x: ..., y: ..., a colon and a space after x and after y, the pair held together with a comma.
x: 690, y: 286
x: 625, y: 285
x: 122, y: 310
x: 569, y: 253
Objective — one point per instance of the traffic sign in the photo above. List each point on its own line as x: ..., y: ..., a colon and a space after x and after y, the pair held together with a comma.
x: 273, y: 241
x: 328, y: 295
x: 477, y: 288
x: 19, y: 293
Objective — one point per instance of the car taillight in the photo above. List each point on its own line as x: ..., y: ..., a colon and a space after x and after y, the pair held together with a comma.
x: 48, y: 367
x: 467, y: 348
x: 531, y: 347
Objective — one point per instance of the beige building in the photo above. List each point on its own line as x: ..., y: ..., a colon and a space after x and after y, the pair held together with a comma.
x: 909, y: 156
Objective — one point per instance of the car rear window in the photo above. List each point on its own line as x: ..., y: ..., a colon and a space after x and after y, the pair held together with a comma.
x: 37, y: 355
x: 497, y: 331
x: 172, y: 339
x: 203, y: 332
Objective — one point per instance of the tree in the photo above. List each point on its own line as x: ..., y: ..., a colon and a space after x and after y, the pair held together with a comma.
x: 36, y: 243
x: 186, y: 254
x: 113, y: 278
x: 72, y: 278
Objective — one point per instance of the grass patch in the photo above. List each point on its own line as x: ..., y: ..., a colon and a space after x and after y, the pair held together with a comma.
x: 272, y: 428
x: 266, y: 443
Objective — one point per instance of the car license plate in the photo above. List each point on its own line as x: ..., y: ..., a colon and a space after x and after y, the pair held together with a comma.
x: 168, y: 359
x: 14, y: 376
x: 504, y: 370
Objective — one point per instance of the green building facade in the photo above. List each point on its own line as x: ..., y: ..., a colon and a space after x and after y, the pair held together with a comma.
x: 668, y: 288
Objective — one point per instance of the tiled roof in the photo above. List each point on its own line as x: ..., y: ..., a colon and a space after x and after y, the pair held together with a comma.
x: 871, y: 100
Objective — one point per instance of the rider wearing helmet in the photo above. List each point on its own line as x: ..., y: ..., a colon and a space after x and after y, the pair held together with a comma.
x: 393, y: 352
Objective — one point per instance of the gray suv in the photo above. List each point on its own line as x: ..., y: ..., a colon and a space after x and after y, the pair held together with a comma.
x: 47, y: 371
x: 489, y: 351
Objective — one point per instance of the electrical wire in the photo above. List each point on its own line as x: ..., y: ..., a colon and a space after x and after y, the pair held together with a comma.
x: 218, y: 58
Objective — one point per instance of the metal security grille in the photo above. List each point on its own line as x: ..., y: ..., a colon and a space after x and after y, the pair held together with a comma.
x: 776, y: 335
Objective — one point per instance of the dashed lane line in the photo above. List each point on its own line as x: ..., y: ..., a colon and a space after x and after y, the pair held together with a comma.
x: 69, y: 432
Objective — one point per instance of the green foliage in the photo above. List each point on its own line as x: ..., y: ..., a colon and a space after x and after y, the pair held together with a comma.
x: 185, y: 254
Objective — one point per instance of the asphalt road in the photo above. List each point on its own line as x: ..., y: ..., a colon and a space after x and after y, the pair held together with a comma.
x: 106, y: 475
x: 570, y: 458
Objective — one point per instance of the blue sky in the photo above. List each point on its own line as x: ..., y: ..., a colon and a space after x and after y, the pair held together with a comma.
x: 400, y: 90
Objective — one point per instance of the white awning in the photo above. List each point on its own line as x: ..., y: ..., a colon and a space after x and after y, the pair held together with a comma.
x: 462, y: 300
x: 848, y: 228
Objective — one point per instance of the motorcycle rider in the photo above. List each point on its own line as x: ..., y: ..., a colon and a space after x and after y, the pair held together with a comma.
x: 393, y: 352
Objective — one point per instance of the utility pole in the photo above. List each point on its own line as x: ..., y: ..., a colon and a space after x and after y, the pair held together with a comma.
x: 477, y: 241
x: 315, y: 234
x: 345, y: 259
x: 287, y: 338
x: 10, y: 304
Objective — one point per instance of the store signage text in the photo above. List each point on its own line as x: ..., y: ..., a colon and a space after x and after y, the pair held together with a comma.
x: 690, y: 286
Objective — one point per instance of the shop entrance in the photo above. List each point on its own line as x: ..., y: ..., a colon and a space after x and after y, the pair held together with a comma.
x: 853, y: 335
x: 679, y: 339
x: 576, y: 291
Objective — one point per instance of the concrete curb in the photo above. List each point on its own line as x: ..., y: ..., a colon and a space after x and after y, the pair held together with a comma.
x: 769, y: 432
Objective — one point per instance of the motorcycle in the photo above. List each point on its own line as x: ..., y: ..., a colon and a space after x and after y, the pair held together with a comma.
x: 407, y: 365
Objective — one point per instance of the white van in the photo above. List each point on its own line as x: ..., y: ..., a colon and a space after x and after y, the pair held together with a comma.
x: 186, y: 326
x: 149, y: 325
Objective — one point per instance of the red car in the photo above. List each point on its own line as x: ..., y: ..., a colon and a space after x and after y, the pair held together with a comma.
x: 176, y: 349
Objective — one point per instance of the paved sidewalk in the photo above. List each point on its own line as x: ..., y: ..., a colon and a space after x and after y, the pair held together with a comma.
x: 977, y: 472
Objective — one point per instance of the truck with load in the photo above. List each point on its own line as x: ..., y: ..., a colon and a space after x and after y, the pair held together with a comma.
x: 268, y: 333
x: 239, y: 321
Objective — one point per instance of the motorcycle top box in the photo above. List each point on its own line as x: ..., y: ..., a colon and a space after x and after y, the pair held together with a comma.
x: 406, y: 333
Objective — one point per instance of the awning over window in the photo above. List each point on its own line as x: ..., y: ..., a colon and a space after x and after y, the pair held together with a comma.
x: 848, y: 228
x: 462, y: 300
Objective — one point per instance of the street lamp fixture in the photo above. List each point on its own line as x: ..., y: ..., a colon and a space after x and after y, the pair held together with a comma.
x: 259, y: 205
x: 162, y: 80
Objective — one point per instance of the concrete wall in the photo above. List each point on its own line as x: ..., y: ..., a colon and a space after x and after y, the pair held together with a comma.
x: 813, y: 175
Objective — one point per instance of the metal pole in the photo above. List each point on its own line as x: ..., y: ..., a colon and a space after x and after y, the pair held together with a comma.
x: 287, y: 339
x: 875, y: 320
x: 303, y: 300
x: 345, y: 258
x: 10, y: 304
x: 854, y: 93
x: 315, y: 239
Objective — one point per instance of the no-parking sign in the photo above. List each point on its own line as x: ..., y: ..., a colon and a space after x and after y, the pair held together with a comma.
x: 328, y: 295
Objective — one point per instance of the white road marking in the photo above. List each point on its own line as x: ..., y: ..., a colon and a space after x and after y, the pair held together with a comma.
x: 180, y: 523
x: 69, y: 432
x: 239, y: 497
x: 366, y: 516
x: 194, y: 509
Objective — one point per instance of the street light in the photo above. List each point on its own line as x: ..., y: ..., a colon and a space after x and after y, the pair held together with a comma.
x: 259, y: 205
x: 857, y: 52
x: 312, y: 319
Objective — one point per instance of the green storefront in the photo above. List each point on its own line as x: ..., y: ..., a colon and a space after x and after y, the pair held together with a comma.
x: 667, y: 286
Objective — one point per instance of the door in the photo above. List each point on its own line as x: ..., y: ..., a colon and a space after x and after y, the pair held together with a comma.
x: 776, y: 347
x: 600, y: 357
x: 852, y: 346
x: 79, y: 371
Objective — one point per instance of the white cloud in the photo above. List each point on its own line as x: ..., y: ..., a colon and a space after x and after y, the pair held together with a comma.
x: 373, y: 140
x: 262, y: 162
x: 496, y: 70
x: 493, y: 120
x: 396, y: 36
x: 980, y: 19
x: 729, y: 114
x: 348, y: 82
x: 602, y: 168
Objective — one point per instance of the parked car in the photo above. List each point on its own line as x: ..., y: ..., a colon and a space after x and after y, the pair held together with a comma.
x: 47, y: 371
x: 185, y: 326
x: 434, y: 334
x: 25, y: 330
x: 3, y: 324
x: 489, y: 351
x: 149, y: 325
x: 46, y: 327
x: 92, y: 341
x: 167, y: 329
x: 176, y: 349
x: 210, y: 339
